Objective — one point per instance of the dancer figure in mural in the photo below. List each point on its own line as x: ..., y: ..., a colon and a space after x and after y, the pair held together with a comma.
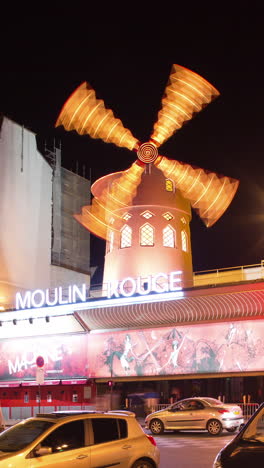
x: 125, y: 359
x: 205, y: 360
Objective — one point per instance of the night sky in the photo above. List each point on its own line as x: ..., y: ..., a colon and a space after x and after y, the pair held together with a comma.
x: 128, y: 64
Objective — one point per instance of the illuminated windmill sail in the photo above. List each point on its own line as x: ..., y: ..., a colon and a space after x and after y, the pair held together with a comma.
x: 186, y: 93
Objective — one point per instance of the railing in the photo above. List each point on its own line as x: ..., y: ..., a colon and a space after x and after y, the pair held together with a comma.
x: 248, y: 409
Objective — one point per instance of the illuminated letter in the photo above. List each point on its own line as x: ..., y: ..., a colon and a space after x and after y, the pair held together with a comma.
x: 133, y: 289
x: 145, y: 281
x: 61, y: 301
x: 76, y: 292
x: 23, y: 303
x: 14, y: 368
x: 112, y: 288
x: 48, y: 301
x: 173, y: 280
x: 42, y: 298
x: 163, y: 287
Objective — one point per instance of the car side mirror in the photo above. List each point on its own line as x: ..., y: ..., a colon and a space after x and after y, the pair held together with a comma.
x: 40, y: 451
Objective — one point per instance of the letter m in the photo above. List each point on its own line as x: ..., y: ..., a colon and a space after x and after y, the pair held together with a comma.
x: 23, y: 303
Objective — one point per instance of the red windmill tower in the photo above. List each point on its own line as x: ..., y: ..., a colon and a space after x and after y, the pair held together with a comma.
x: 144, y: 212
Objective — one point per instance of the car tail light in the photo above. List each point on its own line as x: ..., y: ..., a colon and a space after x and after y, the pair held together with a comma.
x: 222, y: 411
x: 151, y: 439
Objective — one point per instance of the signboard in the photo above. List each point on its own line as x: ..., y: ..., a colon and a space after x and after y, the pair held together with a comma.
x: 159, y: 283
x: 40, y: 375
x: 40, y: 361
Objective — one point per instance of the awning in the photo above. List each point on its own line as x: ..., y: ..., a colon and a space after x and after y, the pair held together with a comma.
x: 32, y: 383
x: 10, y: 384
x: 74, y: 382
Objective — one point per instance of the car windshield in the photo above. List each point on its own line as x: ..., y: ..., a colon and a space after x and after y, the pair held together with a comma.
x: 19, y: 436
x: 255, y: 430
x: 213, y: 401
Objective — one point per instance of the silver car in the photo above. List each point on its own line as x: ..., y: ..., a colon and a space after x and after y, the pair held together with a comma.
x: 201, y: 413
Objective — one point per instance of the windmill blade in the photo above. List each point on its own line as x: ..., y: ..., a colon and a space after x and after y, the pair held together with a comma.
x: 87, y: 115
x: 102, y: 215
x: 186, y: 93
x: 210, y: 194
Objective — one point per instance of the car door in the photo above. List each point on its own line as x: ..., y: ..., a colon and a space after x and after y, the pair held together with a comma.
x: 111, y: 445
x: 178, y: 416
x: 69, y: 448
x: 198, y: 415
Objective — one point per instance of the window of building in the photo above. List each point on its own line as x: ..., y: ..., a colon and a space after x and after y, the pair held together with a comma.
x: 183, y: 220
x: 168, y: 216
x: 126, y: 236
x: 111, y: 241
x: 126, y: 216
x: 169, y: 184
x: 184, y: 241
x: 147, y: 214
x: 147, y: 234
x: 168, y: 236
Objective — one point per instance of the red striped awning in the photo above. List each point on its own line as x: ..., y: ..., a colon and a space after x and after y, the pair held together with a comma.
x: 32, y: 383
x: 74, y: 382
x: 10, y: 384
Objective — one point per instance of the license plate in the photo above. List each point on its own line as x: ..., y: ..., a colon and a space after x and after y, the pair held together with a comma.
x: 236, y: 412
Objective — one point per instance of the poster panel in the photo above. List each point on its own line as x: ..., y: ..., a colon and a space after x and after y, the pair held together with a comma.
x: 191, y: 349
x: 64, y: 356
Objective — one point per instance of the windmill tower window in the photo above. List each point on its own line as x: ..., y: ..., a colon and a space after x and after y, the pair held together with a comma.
x: 147, y: 214
x: 147, y: 235
x: 168, y: 216
x: 127, y: 216
x: 169, y: 185
x: 184, y: 241
x: 168, y: 237
x: 126, y: 236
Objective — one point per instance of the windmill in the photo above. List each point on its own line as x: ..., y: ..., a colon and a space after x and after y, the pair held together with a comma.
x: 155, y: 190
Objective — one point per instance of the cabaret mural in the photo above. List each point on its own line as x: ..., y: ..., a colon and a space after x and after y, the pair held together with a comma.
x: 192, y: 349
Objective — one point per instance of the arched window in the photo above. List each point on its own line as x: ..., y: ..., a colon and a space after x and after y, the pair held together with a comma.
x: 147, y: 234
x: 184, y: 240
x: 126, y: 236
x: 168, y: 236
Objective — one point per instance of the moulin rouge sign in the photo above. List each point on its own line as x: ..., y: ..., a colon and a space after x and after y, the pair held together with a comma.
x: 128, y: 287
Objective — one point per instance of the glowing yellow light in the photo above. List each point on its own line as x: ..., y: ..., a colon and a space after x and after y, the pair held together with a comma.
x: 186, y: 93
x: 96, y: 217
x: 86, y: 114
x: 209, y: 194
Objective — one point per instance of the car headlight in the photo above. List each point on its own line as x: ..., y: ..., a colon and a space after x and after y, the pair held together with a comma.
x: 217, y: 461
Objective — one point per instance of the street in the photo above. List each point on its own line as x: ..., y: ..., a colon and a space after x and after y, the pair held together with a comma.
x: 190, y: 449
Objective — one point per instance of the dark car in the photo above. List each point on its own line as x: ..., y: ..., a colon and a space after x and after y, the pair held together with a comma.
x: 247, y: 448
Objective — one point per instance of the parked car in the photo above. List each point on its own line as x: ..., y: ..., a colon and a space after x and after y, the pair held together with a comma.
x: 196, y: 413
x: 79, y: 439
x: 247, y: 448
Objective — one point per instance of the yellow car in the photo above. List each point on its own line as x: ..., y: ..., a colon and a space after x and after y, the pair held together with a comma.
x: 78, y: 440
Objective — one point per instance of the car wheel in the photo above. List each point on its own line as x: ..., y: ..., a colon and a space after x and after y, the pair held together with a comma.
x: 141, y: 463
x: 232, y: 429
x: 214, y: 427
x: 156, y: 426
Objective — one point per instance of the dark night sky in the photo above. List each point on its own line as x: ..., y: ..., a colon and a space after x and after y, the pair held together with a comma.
x: 128, y: 64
